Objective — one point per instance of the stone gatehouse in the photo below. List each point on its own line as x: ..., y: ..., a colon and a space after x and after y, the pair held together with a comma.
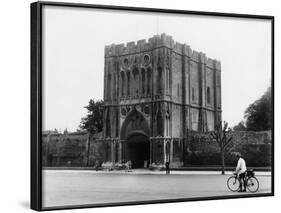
x: 154, y: 91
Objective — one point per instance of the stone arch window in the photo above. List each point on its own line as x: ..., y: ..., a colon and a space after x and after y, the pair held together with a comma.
x: 128, y: 83
x: 126, y: 62
x: 143, y: 81
x: 108, y: 86
x: 192, y: 94
x: 122, y: 84
x: 160, y: 125
x: 159, y: 80
x: 167, y: 80
x: 115, y: 91
x: 136, y: 80
x: 208, y: 95
x: 146, y: 59
x: 116, y: 123
x: 167, y: 116
x: 149, y: 81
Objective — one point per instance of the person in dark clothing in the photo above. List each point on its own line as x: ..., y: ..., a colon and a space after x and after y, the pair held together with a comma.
x: 97, y: 165
x: 167, y: 165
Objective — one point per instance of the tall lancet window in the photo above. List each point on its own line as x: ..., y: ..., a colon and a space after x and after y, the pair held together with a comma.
x: 148, y: 81
x: 159, y: 80
x: 122, y: 84
x: 128, y: 83
x: 167, y: 116
x: 143, y: 81
x: 208, y: 96
x: 136, y: 81
x: 167, y: 80
x: 109, y: 86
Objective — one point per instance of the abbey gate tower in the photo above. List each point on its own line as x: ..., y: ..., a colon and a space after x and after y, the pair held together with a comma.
x: 154, y: 92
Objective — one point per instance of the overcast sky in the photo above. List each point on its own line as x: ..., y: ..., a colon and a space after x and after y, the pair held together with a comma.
x: 73, y: 56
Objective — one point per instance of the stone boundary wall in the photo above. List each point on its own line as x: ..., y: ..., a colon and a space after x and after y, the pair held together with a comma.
x: 79, y: 149
x: 71, y: 149
x: 255, y: 148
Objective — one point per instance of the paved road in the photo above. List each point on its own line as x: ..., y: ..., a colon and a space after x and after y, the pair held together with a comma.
x: 65, y: 187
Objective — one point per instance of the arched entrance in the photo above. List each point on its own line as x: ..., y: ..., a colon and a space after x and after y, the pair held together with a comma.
x: 138, y: 150
x: 135, y: 134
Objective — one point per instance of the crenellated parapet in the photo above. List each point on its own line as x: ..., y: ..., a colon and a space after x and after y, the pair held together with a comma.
x: 201, y: 58
x: 213, y: 64
x: 157, y: 41
x: 133, y: 47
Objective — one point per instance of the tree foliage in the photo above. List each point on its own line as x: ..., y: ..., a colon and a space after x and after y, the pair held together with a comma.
x: 222, y: 134
x: 241, y: 126
x: 259, y: 114
x: 93, y: 122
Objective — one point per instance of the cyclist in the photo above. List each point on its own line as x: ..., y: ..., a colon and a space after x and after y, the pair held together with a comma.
x: 241, y: 172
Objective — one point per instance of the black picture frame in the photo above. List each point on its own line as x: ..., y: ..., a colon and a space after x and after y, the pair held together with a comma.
x: 36, y: 99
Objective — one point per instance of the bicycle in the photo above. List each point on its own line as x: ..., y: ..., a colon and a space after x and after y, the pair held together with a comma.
x: 252, y: 182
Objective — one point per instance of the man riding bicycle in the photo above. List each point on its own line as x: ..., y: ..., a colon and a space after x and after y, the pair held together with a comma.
x: 241, y: 172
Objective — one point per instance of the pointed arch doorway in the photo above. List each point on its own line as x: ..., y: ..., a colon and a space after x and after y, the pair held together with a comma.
x: 135, y: 134
x: 138, y: 150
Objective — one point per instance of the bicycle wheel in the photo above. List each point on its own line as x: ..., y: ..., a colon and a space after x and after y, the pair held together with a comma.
x: 233, y: 184
x: 253, y: 184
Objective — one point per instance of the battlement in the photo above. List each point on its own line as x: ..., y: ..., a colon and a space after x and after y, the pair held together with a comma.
x: 201, y: 57
x: 213, y: 63
x: 139, y: 46
x: 160, y: 41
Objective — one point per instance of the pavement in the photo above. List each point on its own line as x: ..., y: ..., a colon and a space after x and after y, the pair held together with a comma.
x: 82, y: 187
x: 186, y: 168
x: 157, y: 172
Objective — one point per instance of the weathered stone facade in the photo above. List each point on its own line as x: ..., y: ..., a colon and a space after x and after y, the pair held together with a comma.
x: 154, y: 91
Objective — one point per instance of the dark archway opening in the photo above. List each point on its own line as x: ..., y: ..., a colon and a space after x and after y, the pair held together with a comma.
x: 138, y: 150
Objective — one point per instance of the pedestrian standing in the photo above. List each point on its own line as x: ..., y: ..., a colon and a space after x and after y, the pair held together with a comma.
x: 167, y: 165
x: 97, y: 165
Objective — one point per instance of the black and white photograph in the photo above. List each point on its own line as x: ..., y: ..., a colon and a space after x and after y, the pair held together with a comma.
x: 144, y: 106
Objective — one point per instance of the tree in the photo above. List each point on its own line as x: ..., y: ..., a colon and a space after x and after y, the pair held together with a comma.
x: 93, y: 122
x: 259, y: 114
x: 222, y: 134
x: 240, y: 126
